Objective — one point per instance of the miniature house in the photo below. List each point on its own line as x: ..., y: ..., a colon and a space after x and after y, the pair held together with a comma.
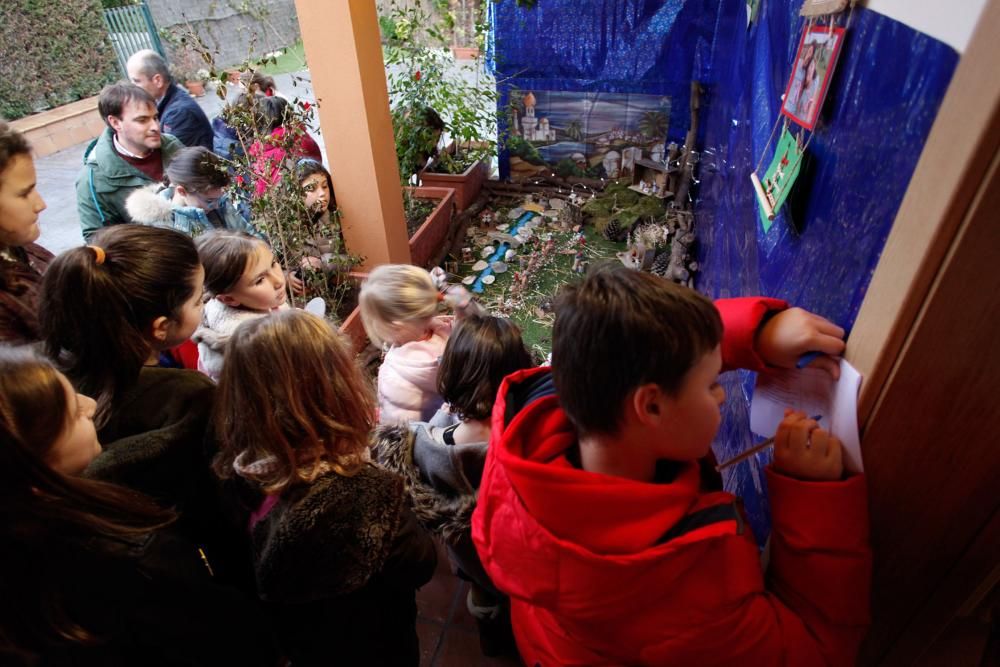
x: 650, y: 178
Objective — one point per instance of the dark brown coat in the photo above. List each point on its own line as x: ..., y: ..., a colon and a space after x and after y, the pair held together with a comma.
x: 21, y: 272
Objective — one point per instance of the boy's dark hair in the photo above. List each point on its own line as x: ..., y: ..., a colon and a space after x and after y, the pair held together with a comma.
x: 197, y: 169
x: 95, y: 310
x: 619, y: 329
x: 479, y: 354
x: 225, y: 254
x: 114, y: 98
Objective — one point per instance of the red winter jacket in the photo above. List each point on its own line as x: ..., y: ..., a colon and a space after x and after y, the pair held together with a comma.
x: 603, y: 570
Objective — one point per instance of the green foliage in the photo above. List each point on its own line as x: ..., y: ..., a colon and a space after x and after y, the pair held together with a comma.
x: 62, y: 54
x: 624, y: 206
x: 567, y: 167
x: 312, y: 247
x: 422, y: 75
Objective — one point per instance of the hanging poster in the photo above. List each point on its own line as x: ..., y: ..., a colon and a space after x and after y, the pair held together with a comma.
x: 780, y: 176
x: 814, y: 64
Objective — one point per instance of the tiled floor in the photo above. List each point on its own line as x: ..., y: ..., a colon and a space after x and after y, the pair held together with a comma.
x: 448, y: 635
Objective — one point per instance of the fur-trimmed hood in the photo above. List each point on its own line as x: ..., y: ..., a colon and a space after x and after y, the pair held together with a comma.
x: 440, y: 479
x: 151, y: 205
x: 154, y: 205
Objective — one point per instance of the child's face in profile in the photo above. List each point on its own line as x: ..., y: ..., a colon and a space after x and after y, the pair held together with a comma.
x: 262, y: 285
x: 77, y: 445
x: 694, y: 410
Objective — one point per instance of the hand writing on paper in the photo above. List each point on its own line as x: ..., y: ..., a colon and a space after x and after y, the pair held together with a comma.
x: 805, y: 451
x: 794, y: 332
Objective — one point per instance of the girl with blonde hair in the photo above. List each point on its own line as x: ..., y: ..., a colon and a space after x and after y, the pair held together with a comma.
x: 399, y: 309
x: 338, y: 554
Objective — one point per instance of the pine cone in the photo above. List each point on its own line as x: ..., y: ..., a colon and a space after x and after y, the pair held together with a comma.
x: 660, y: 264
x: 613, y: 231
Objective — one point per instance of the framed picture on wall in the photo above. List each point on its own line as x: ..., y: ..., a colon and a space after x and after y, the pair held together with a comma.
x: 814, y: 64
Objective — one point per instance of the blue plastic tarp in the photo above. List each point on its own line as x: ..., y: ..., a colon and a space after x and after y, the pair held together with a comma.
x: 824, y: 246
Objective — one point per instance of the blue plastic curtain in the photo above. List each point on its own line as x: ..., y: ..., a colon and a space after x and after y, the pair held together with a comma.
x: 823, y: 247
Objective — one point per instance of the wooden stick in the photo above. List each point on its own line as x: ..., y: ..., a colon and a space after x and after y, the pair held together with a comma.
x: 745, y: 455
x: 757, y: 448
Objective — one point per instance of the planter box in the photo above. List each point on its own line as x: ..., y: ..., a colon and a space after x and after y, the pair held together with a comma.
x: 352, y: 326
x: 427, y: 240
x: 465, y: 52
x: 466, y: 185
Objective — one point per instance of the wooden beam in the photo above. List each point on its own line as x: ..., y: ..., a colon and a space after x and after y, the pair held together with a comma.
x: 344, y: 56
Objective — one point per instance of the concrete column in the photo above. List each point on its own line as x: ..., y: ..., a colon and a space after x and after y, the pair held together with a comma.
x: 344, y: 56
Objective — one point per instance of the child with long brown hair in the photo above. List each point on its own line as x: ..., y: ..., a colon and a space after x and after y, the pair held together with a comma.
x: 337, y: 551
x: 92, y: 574
x: 22, y: 261
x: 107, y: 310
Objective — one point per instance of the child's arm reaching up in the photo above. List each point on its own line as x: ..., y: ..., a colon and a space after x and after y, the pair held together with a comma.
x: 788, y: 335
x: 760, y: 331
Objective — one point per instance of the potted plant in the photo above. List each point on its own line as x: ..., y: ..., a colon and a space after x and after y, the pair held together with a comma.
x: 432, y: 98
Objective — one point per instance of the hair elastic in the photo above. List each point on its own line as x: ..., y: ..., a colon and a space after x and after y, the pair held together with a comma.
x: 99, y: 254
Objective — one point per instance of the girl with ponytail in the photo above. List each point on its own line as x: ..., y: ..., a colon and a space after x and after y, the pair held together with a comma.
x: 107, y: 311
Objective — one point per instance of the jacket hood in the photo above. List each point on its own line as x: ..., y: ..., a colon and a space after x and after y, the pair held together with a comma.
x: 543, y: 525
x: 410, y: 451
x: 151, y: 205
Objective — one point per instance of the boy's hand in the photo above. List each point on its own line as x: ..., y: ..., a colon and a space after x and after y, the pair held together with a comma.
x: 793, y: 332
x: 805, y: 451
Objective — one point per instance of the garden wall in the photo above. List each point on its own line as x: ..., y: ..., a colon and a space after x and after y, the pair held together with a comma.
x: 52, y: 52
x: 230, y: 28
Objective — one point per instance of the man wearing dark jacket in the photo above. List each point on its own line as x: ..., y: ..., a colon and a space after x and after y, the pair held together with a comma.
x: 180, y: 115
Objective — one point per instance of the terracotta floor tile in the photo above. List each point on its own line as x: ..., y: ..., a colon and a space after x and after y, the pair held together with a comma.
x: 429, y: 634
x: 436, y: 597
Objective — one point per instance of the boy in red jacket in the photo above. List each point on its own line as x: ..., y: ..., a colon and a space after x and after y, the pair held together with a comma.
x: 596, y: 514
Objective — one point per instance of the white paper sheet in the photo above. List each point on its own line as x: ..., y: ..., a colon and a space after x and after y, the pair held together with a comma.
x: 815, y: 393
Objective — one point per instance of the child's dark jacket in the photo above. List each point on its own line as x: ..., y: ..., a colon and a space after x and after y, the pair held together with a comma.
x: 608, y: 571
x: 339, y: 560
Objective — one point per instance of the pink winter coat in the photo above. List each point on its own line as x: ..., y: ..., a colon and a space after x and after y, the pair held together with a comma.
x: 407, y: 380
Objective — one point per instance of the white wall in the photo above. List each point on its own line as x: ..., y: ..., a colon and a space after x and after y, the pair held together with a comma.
x: 950, y: 21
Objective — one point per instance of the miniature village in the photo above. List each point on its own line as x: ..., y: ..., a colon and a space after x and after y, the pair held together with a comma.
x: 621, y: 195
x: 522, y: 241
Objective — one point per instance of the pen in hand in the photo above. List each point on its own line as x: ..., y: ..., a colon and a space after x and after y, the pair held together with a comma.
x: 753, y: 450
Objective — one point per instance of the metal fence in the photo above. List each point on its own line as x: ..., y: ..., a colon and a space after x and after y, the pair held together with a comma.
x: 131, y: 29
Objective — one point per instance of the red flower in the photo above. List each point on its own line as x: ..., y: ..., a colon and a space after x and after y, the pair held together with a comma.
x: 306, y: 106
x: 239, y: 180
x: 417, y: 75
